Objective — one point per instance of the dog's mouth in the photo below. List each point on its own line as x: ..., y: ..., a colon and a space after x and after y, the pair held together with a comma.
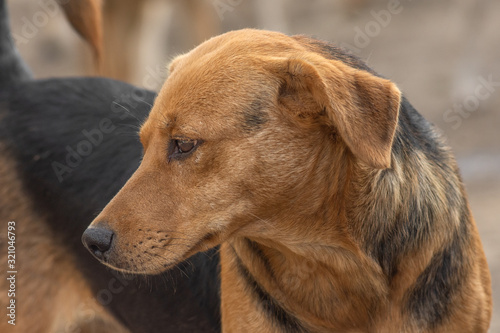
x: 136, y: 259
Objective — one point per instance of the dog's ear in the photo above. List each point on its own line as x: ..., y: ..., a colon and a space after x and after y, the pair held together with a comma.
x: 362, y: 107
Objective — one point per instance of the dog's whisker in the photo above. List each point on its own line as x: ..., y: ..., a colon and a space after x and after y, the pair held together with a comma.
x: 145, y: 102
x: 130, y: 113
x: 132, y: 126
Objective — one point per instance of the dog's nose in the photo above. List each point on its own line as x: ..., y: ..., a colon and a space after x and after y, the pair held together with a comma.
x: 98, y: 240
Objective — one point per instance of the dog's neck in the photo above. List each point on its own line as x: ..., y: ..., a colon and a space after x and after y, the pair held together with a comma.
x: 303, y: 271
x: 322, y: 287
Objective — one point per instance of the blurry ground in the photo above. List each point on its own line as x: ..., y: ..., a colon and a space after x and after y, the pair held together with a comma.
x: 440, y: 53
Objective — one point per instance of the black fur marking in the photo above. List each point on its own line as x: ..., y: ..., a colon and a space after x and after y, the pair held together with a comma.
x: 279, y: 316
x: 333, y: 52
x: 257, y: 252
x: 254, y: 116
x: 415, y: 222
x: 430, y: 301
x: 407, y: 234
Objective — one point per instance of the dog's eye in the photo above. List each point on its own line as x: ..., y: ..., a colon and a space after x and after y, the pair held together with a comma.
x: 180, y: 148
x: 185, y: 146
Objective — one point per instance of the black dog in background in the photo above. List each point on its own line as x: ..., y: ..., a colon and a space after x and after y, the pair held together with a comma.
x: 66, y: 147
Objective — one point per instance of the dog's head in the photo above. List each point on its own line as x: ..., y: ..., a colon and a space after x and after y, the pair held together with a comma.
x: 246, y: 131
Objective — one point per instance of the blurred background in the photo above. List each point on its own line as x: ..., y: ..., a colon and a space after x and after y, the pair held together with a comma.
x: 444, y: 55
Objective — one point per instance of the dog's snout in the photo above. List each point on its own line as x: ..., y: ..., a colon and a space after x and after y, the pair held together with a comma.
x: 98, y: 240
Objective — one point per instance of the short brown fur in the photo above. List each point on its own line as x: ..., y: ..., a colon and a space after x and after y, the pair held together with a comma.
x: 337, y: 206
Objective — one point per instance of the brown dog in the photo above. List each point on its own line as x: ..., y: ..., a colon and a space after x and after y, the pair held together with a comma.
x: 337, y: 205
